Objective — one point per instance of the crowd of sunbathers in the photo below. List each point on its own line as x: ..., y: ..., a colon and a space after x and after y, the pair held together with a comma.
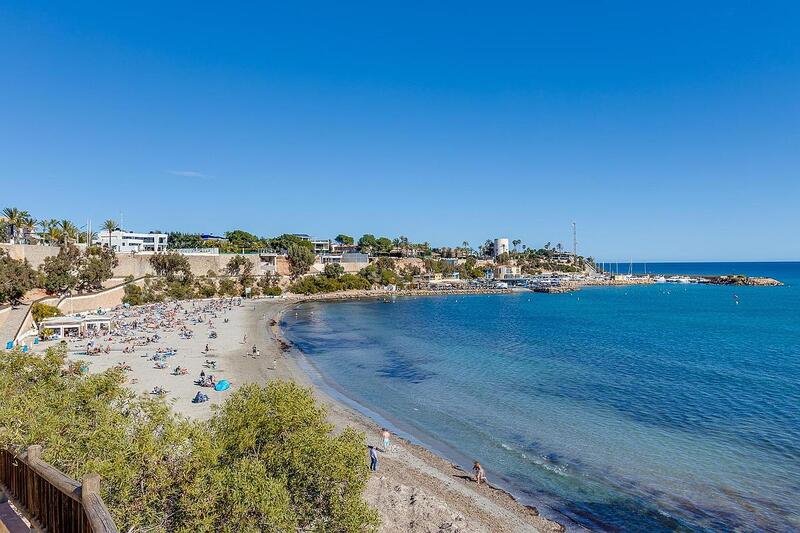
x: 136, y: 327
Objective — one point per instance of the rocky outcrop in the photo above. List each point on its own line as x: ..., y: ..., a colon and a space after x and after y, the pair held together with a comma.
x: 741, y: 280
x: 763, y: 282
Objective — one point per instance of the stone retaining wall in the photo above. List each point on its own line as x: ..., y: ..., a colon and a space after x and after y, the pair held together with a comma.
x: 138, y: 265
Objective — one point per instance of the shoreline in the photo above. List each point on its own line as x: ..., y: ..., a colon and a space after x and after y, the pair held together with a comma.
x: 415, y: 489
x: 348, y: 412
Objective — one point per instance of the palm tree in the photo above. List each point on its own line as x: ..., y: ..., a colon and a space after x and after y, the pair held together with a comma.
x: 516, y: 242
x: 84, y: 235
x: 69, y: 231
x: 52, y: 231
x: 403, y: 243
x: 16, y: 219
x: 109, y: 225
x: 27, y: 226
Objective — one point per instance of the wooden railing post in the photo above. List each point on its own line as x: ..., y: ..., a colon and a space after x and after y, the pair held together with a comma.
x: 34, y: 454
x: 96, y: 512
x: 90, y: 484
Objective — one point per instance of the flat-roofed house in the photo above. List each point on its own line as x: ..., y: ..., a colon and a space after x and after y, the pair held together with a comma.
x: 129, y: 241
x: 67, y: 326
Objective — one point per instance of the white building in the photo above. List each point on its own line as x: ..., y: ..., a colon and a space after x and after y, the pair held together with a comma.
x: 505, y: 272
x: 351, y: 262
x: 320, y: 246
x: 500, y: 247
x: 66, y: 326
x: 128, y: 241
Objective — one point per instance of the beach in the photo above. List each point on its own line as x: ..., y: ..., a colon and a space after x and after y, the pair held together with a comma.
x: 413, y: 489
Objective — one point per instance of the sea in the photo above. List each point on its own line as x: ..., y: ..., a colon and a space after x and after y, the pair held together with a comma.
x: 651, y: 408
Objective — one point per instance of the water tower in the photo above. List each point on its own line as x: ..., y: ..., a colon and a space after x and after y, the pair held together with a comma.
x: 500, y: 247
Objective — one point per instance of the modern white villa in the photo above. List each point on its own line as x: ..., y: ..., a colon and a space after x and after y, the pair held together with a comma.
x: 128, y: 241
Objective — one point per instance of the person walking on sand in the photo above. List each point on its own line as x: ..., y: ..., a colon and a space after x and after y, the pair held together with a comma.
x: 373, y: 459
x: 480, y: 475
x: 385, y: 434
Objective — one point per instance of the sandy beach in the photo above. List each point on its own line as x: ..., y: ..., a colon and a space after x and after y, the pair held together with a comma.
x: 413, y: 489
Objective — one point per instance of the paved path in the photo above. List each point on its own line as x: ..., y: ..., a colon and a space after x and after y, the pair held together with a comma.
x: 9, y: 328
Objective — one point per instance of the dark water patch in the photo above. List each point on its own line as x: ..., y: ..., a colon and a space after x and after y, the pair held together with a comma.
x: 399, y: 366
x: 623, y: 516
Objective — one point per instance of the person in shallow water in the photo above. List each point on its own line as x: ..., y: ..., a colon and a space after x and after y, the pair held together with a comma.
x: 373, y: 459
x: 480, y: 475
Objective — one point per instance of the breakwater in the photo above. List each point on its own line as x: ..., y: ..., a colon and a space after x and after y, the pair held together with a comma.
x: 380, y: 293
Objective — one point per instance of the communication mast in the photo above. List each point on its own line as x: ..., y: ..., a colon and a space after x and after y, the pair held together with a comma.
x: 575, y: 241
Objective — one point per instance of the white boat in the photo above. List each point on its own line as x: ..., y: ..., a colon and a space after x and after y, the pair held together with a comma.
x: 679, y: 279
x: 660, y: 279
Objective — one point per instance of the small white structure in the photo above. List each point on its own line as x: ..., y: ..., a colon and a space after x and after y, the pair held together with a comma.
x: 66, y: 326
x: 500, y: 247
x: 128, y: 241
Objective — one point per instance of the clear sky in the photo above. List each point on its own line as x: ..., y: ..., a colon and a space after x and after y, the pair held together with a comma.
x: 667, y: 130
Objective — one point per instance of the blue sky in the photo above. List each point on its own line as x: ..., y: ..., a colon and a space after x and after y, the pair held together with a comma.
x: 666, y: 130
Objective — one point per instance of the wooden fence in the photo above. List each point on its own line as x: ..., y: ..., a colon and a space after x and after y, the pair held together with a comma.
x: 50, y: 499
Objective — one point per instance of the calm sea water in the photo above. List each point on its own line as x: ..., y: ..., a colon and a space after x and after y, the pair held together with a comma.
x: 654, y: 408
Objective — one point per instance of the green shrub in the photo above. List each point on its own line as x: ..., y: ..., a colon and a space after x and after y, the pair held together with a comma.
x: 317, y: 284
x: 266, y: 461
x: 180, y: 290
x: 40, y: 311
x: 133, y: 295
x: 207, y: 289
x: 227, y: 287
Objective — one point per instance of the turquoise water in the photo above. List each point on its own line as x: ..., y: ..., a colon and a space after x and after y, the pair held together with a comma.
x: 652, y: 408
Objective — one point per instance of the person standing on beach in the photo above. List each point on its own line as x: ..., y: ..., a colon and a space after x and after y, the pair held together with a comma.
x: 385, y: 434
x: 480, y: 475
x: 373, y: 459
